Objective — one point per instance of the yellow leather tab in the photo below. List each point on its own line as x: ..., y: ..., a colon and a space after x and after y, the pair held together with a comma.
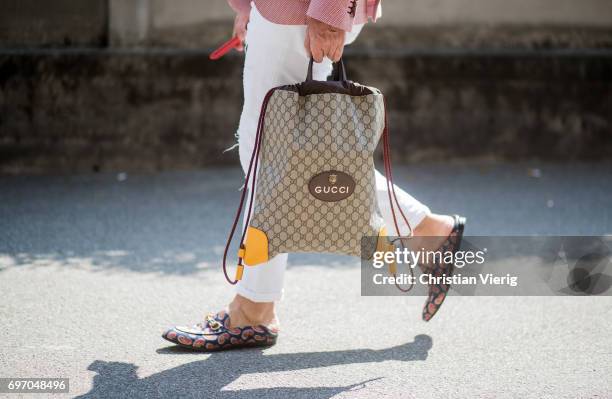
x: 392, y: 268
x: 383, y: 241
x: 255, y: 247
x: 384, y: 245
x: 239, y: 272
x: 241, y: 252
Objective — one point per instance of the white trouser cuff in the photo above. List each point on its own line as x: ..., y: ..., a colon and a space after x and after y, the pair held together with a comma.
x: 258, y: 296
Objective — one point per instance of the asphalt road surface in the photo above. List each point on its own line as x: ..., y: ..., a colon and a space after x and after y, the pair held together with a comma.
x: 94, y: 267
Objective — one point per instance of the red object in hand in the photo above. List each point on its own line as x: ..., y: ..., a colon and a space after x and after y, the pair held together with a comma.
x: 225, y: 48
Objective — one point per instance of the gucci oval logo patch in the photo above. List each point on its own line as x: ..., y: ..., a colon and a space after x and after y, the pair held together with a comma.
x: 331, y: 186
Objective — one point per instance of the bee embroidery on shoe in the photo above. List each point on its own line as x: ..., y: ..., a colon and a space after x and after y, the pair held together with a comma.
x: 352, y: 7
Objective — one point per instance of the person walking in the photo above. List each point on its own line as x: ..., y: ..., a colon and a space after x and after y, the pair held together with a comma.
x: 281, y: 38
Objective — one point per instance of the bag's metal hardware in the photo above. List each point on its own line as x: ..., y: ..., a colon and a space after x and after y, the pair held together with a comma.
x: 212, y: 323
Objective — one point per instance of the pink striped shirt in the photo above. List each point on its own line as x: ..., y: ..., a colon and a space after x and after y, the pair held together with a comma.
x: 342, y: 14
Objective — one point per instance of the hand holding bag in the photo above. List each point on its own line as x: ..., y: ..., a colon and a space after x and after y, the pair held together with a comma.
x: 312, y: 174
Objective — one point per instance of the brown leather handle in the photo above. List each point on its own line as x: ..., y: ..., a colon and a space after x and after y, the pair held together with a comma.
x: 338, y: 74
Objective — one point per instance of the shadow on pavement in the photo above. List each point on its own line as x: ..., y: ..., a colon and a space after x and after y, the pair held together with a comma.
x: 207, y: 378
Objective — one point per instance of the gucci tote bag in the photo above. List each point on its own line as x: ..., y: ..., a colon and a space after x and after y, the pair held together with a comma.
x: 311, y: 173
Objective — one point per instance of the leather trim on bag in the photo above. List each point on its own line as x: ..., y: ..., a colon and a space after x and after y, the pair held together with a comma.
x: 255, y: 247
x: 320, y: 87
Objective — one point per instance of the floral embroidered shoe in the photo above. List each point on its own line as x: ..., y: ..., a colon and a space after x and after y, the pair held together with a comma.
x: 214, y: 334
x: 437, y: 292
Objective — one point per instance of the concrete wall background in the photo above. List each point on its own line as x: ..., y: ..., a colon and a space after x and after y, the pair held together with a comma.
x: 101, y: 85
x: 419, y: 23
x: 202, y: 23
x: 423, y: 12
x: 32, y: 23
x: 496, y: 12
x: 416, y: 24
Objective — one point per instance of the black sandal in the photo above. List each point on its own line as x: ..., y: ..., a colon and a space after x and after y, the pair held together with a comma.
x: 437, y: 292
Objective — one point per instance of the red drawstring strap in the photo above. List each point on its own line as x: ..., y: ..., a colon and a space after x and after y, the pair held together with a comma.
x: 253, y: 163
x: 389, y: 176
x: 391, y: 191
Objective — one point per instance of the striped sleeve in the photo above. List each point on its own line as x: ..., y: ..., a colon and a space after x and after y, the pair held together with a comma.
x: 240, y: 6
x: 337, y: 13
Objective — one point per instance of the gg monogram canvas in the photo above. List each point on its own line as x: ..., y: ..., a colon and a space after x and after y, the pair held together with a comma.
x: 312, y: 173
x: 315, y: 188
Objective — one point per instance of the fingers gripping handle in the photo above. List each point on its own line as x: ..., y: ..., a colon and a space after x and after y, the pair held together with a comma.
x: 339, y: 73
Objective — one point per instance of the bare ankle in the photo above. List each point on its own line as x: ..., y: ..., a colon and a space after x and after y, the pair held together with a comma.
x: 432, y: 232
x: 244, y: 312
x: 434, y: 225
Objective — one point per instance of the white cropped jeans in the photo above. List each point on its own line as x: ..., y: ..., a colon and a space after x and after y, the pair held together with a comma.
x: 275, y: 56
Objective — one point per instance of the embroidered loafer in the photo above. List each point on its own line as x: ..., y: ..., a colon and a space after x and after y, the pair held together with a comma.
x: 437, y: 292
x: 214, y: 334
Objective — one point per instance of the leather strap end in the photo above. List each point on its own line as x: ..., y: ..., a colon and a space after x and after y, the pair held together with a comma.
x: 239, y: 272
